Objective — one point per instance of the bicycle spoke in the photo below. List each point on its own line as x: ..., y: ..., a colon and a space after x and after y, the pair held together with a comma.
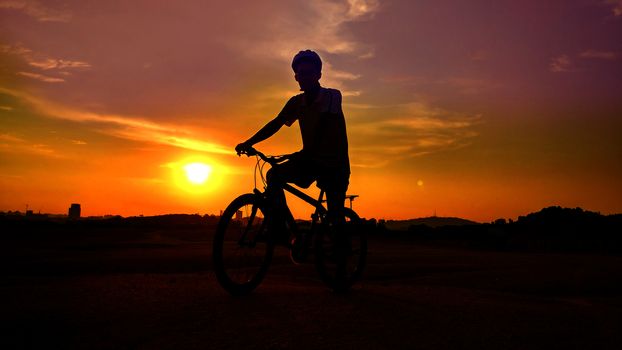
x: 248, y: 228
x: 241, y: 259
x: 340, y: 260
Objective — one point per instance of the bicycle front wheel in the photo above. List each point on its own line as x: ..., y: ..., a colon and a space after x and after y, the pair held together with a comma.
x: 340, y: 257
x: 243, y: 247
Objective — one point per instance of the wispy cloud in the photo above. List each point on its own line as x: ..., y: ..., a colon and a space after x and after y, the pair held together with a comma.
x: 362, y: 9
x: 321, y: 29
x: 41, y: 77
x: 602, y: 55
x: 616, y: 7
x: 15, y: 50
x: 427, y: 123
x: 566, y: 63
x: 10, y: 138
x: 561, y: 64
x: 52, y: 63
x: 327, y: 33
x: 126, y: 127
x: 36, y: 10
x: 43, y: 62
x: 6, y: 108
x: 342, y: 75
x: 13, y: 144
x: 414, y: 129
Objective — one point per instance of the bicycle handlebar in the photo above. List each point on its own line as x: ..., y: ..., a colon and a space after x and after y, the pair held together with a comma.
x: 272, y: 160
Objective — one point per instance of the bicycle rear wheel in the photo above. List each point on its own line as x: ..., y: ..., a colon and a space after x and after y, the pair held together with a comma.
x: 340, y: 257
x: 243, y: 247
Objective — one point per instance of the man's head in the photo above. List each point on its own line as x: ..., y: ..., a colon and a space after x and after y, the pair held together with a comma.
x: 307, y: 67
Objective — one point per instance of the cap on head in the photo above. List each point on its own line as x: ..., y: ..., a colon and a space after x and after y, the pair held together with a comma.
x: 307, y: 56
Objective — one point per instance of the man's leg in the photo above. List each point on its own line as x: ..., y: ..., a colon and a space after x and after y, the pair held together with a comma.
x: 336, y: 201
x: 276, y: 179
x: 337, y: 226
x: 291, y: 171
x: 337, y: 185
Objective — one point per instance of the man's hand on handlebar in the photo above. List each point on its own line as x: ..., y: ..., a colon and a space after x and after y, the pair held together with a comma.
x: 244, y: 148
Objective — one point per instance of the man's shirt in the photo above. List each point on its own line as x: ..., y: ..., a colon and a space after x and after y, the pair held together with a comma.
x: 323, y: 127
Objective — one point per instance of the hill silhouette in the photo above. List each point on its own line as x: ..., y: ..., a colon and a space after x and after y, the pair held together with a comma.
x: 432, y: 221
x: 550, y: 229
x: 556, y: 215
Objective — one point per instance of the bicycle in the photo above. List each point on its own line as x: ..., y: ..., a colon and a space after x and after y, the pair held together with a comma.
x: 244, y: 243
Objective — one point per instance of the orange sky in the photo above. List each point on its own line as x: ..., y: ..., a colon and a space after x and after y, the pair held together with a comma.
x: 466, y: 109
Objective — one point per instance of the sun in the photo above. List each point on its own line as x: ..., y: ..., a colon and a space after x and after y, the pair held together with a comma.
x: 197, y: 173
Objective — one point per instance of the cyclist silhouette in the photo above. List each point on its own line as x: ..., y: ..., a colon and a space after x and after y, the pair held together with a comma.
x: 324, y: 155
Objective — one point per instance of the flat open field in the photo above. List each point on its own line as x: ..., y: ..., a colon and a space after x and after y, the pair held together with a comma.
x: 158, y: 292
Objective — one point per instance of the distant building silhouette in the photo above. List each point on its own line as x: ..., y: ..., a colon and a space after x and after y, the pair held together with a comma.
x: 74, y: 211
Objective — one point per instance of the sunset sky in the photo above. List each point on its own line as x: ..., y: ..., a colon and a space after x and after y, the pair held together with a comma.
x: 475, y: 109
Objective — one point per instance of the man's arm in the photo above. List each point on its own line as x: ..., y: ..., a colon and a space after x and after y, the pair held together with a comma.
x: 268, y: 130
x: 285, y: 117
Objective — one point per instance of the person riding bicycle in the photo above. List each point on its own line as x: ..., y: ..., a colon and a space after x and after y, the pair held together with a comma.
x: 324, y: 155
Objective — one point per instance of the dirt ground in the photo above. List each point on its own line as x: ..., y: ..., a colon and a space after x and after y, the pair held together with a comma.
x: 162, y: 294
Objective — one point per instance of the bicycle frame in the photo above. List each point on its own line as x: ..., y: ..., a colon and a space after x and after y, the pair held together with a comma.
x: 316, y: 203
x: 272, y: 160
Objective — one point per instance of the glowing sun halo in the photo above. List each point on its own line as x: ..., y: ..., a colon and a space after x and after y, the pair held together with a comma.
x: 197, y: 173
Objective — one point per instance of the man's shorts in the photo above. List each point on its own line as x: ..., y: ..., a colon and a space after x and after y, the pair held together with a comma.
x: 301, y: 170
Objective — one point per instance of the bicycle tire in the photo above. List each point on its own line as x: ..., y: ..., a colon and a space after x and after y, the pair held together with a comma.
x: 243, y: 247
x: 327, y: 263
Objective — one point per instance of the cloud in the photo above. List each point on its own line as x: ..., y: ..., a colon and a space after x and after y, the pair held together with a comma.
x: 616, y: 7
x: 362, y: 9
x: 602, y: 55
x: 10, y: 138
x: 561, y: 64
x: 412, y: 130
x: 369, y: 54
x: 36, y: 10
x: 564, y: 63
x: 427, y: 123
x: 41, y: 77
x: 126, y: 127
x: 15, y: 50
x: 342, y: 75
x: 6, y: 108
x: 327, y: 32
x: 13, y: 144
x: 52, y: 63
x: 321, y: 27
x: 43, y: 62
